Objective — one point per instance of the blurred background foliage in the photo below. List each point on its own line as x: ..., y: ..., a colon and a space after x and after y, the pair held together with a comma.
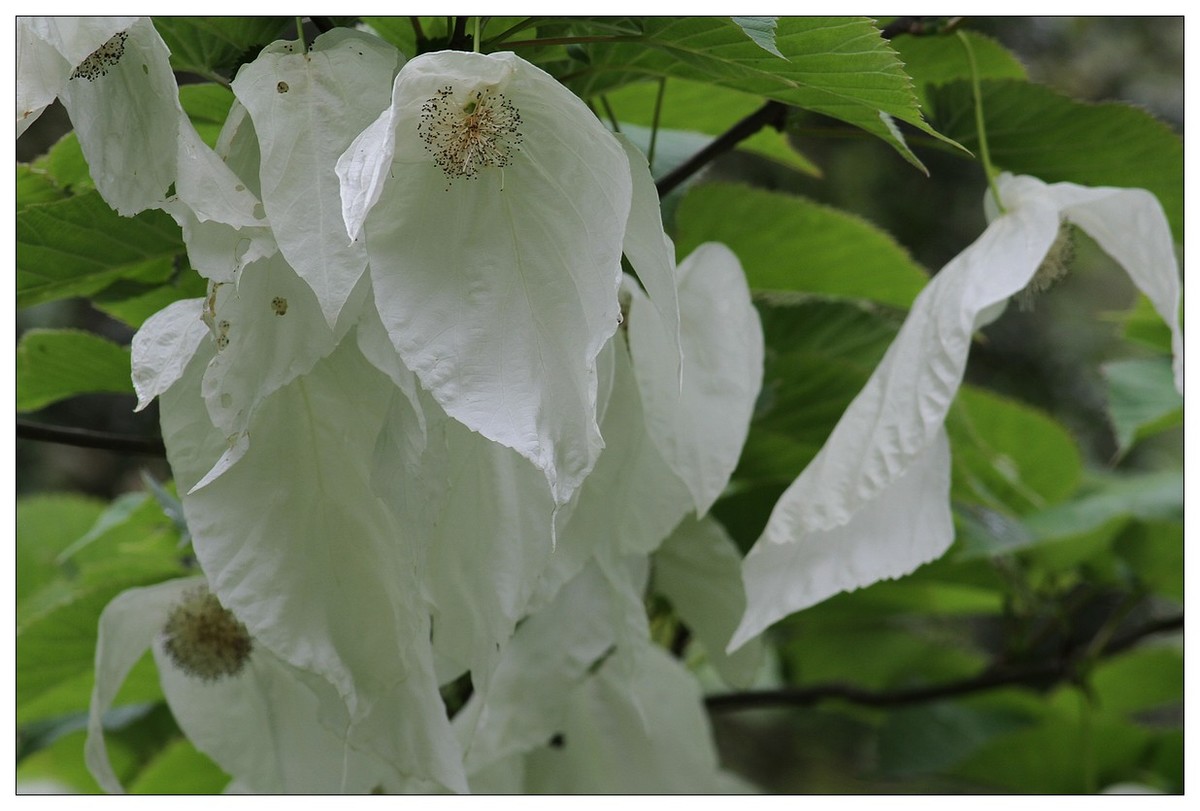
x: 1041, y: 654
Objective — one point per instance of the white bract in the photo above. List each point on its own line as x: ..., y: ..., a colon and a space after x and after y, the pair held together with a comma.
x: 494, y: 207
x: 874, y: 503
x: 260, y: 723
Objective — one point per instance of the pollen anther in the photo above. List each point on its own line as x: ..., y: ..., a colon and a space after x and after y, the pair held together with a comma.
x: 467, y: 137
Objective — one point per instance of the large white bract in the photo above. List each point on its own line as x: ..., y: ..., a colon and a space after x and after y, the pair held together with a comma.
x: 874, y: 503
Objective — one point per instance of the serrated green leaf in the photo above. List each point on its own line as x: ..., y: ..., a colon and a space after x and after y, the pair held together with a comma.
x: 1033, y: 130
x: 48, y: 523
x: 65, y: 165
x: 839, y: 67
x: 53, y: 365
x: 207, y: 105
x: 1142, y: 399
x: 819, y: 354
x: 210, y: 46
x: 77, y: 246
x: 762, y: 31
x: 941, y: 59
x: 35, y: 186
x: 135, y: 309
x: 180, y: 768
x: 1008, y: 455
x: 790, y: 243
x: 704, y: 108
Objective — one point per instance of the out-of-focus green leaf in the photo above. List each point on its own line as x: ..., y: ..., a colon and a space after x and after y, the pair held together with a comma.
x: 215, y: 45
x: 819, y: 353
x: 1141, y: 679
x: 207, y: 105
x: 60, y: 769
x: 703, y: 108
x: 790, y: 243
x: 34, y: 186
x: 180, y: 769
x: 836, y: 66
x: 1143, y: 325
x: 1147, y: 495
x: 1142, y: 399
x: 1059, y: 756
x: 1008, y: 455
x: 941, y: 59
x: 53, y: 365
x: 78, y: 246
x: 1033, y: 130
x: 1154, y: 552
x: 48, y: 523
x: 65, y: 165
x: 72, y: 696
x: 935, y: 737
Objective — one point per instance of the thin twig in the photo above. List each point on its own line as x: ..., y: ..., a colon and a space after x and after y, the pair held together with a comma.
x: 1040, y: 674
x: 87, y: 438
x: 773, y: 113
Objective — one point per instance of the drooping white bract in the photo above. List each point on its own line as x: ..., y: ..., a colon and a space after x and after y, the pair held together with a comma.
x: 307, y: 106
x: 49, y: 49
x: 494, y: 206
x: 259, y: 724
x: 299, y: 546
x: 122, y: 100
x: 874, y: 503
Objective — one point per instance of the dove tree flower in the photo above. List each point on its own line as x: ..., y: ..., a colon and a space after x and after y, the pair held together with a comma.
x: 236, y: 702
x: 874, y: 503
x: 494, y: 208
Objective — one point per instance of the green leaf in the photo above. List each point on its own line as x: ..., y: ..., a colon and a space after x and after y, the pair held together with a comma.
x: 34, y: 187
x: 793, y: 244
x: 819, y: 354
x: 53, y: 365
x: 1033, y: 130
x: 207, y: 105
x: 1153, y: 550
x: 65, y: 165
x: 1144, y: 326
x: 935, y: 737
x: 77, y: 246
x: 762, y: 31
x: 703, y: 108
x: 941, y: 59
x: 135, y: 309
x: 1145, y: 678
x: 73, y: 696
x: 180, y: 768
x: 398, y: 31
x: 215, y: 45
x: 1157, y: 496
x: 48, y: 523
x: 1008, y: 455
x: 1142, y: 399
x: 839, y: 67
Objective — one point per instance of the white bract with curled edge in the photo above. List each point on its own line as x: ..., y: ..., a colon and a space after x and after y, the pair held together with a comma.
x: 875, y: 502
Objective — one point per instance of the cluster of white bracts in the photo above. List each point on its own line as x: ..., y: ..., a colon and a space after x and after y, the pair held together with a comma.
x: 407, y: 417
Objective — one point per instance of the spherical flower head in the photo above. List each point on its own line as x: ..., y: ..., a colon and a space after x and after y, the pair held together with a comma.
x: 204, y: 639
x: 1053, y: 268
x: 471, y: 130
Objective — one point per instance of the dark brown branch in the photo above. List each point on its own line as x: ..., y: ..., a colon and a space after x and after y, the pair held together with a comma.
x: 1037, y: 674
x: 323, y: 24
x: 86, y: 438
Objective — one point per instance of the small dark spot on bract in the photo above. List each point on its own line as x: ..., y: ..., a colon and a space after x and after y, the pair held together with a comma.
x: 282, y: 87
x: 146, y: 69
